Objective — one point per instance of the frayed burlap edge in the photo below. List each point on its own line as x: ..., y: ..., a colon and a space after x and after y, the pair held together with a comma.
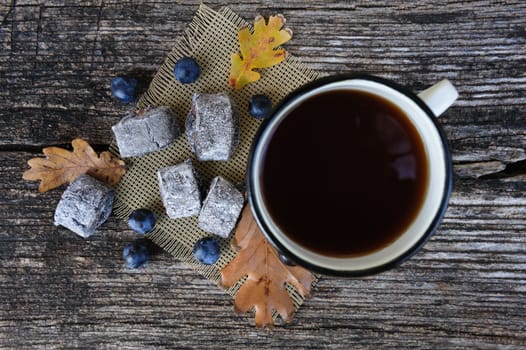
x: 159, y: 94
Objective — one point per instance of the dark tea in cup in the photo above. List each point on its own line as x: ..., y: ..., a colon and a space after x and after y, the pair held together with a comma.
x: 350, y: 175
x: 344, y: 173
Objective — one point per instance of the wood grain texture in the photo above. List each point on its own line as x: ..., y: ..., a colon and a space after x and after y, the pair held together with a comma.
x: 465, y: 289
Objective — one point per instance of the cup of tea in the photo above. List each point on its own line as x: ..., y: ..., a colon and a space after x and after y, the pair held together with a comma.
x: 351, y: 174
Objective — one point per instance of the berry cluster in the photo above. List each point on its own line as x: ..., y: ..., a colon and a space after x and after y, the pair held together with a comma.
x: 206, y: 250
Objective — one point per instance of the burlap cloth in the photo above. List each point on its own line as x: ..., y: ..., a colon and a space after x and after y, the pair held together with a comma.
x: 210, y: 38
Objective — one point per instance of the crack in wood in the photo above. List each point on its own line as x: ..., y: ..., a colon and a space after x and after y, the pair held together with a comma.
x: 9, y: 12
x: 37, y: 44
x: 513, y: 169
x: 37, y: 149
x: 13, y: 25
x: 97, y: 33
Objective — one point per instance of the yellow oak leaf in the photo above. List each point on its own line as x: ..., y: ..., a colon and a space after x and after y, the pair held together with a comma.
x: 61, y: 166
x: 265, y: 286
x: 258, y: 50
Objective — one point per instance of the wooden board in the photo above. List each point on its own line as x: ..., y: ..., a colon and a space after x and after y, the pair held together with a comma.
x: 465, y: 289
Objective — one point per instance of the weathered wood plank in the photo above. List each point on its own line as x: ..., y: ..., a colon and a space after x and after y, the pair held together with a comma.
x: 75, y: 51
x: 464, y: 290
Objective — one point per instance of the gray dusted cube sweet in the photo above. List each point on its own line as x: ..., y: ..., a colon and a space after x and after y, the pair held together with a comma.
x: 179, y: 188
x: 148, y: 130
x: 85, y: 205
x: 221, y: 208
x: 212, y: 127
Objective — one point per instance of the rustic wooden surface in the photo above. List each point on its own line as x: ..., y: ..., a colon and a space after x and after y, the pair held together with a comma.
x: 465, y: 289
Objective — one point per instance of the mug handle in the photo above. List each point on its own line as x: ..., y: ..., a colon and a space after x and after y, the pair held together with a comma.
x: 439, y: 97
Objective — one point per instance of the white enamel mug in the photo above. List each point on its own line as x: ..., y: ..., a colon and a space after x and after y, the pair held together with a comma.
x: 422, y: 110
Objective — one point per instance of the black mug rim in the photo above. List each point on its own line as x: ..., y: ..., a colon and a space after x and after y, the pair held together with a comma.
x: 265, y: 229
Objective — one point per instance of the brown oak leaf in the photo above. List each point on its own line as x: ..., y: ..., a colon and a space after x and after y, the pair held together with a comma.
x: 258, y: 50
x: 265, y: 288
x: 61, y: 166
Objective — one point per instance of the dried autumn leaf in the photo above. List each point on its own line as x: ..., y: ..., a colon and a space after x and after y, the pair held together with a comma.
x: 258, y: 50
x: 61, y: 166
x: 265, y: 288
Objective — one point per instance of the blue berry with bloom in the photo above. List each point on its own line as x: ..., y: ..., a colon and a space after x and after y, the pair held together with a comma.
x: 259, y: 106
x: 135, y: 255
x: 141, y: 221
x: 187, y: 70
x: 124, y: 89
x: 207, y: 250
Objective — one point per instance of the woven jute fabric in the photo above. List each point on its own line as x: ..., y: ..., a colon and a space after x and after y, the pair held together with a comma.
x: 210, y: 38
